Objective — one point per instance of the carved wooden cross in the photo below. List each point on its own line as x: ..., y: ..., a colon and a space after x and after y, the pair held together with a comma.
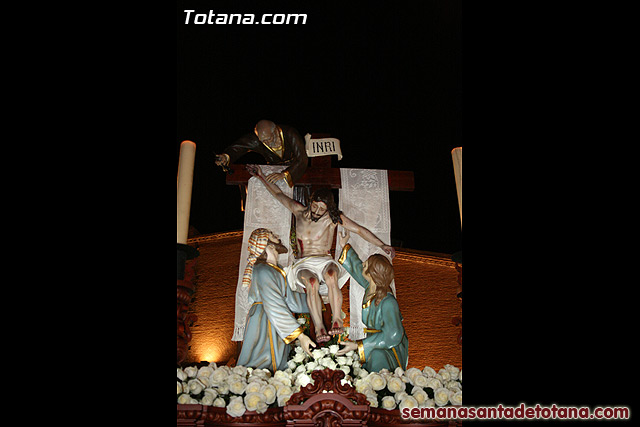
x: 321, y: 174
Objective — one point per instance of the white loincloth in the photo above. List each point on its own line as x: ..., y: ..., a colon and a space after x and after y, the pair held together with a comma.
x: 317, y: 264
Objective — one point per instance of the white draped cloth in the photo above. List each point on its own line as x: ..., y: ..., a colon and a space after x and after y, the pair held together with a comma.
x: 364, y: 198
x: 262, y: 210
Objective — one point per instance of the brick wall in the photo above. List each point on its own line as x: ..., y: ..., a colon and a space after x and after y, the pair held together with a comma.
x: 426, y: 286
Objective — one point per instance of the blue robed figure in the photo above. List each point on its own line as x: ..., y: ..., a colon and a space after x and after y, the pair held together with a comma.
x: 271, y: 325
x: 386, y: 344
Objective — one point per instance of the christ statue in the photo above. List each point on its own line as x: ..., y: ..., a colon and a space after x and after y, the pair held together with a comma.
x: 315, y: 270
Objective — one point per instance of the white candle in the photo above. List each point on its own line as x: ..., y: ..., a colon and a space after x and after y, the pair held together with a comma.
x: 456, y: 153
x: 185, y: 182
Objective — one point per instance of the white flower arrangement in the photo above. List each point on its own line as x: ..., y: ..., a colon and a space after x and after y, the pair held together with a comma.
x: 242, y: 389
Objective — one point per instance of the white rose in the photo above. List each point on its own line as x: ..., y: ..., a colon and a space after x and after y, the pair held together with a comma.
x: 236, y: 407
x: 261, y: 373
x: 301, y: 320
x: 284, y: 395
x: 327, y: 362
x: 252, y: 400
x: 191, y: 371
x: 429, y: 372
x: 344, y: 369
x: 303, y: 379
x: 420, y: 380
x: 433, y: 383
x: 254, y: 386
x: 341, y: 360
x: 411, y: 373
x: 262, y: 407
x: 350, y: 353
x: 325, y: 351
x: 388, y: 402
x: 195, y: 386
x: 284, y: 389
x: 184, y: 398
x: 363, y: 373
x: 179, y: 387
x: 311, y: 366
x: 362, y: 386
x: 317, y: 354
x: 395, y: 384
x: 291, y: 364
x: 398, y: 372
x: 377, y: 381
x: 281, y: 380
x: 420, y: 395
x: 223, y: 388
x: 299, y: 357
x: 441, y: 396
x: 207, y: 399
x: 430, y: 403
x: 220, y: 374
x: 400, y: 395
x: 446, y: 376
x: 269, y: 393
x: 408, y: 402
x: 333, y: 349
x: 205, y: 372
x: 219, y: 402
x: 207, y: 381
x: 256, y: 379
x: 453, y: 386
x: 456, y: 398
x: 239, y: 370
x: 235, y: 377
x: 181, y: 375
x: 284, y: 377
x: 372, y: 397
x: 237, y: 386
x: 453, y: 371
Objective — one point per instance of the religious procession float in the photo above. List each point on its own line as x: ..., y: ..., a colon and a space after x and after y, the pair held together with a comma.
x: 298, y: 363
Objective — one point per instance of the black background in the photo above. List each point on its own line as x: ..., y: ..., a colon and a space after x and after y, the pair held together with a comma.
x: 384, y: 79
x: 534, y: 94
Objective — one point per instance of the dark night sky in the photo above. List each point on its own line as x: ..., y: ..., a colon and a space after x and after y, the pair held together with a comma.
x: 385, y: 80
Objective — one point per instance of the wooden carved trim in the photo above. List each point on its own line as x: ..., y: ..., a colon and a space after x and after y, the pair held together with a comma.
x: 327, y: 402
x: 327, y: 380
x: 192, y: 415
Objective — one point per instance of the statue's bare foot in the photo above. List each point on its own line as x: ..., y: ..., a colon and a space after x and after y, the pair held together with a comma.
x: 322, y: 336
x: 336, y: 329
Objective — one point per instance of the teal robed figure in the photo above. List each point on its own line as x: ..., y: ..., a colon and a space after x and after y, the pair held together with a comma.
x: 386, y: 344
x: 271, y: 325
